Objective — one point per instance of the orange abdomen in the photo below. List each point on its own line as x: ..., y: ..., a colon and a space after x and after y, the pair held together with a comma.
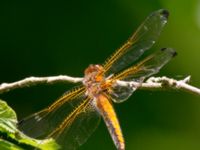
x: 106, y: 110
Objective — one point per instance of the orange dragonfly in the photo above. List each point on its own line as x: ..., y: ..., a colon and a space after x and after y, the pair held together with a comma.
x: 72, y: 118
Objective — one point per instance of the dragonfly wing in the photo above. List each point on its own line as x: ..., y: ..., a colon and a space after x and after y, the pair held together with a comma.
x: 41, y: 124
x: 120, y: 93
x: 143, y: 39
x: 77, y: 127
x: 149, y: 66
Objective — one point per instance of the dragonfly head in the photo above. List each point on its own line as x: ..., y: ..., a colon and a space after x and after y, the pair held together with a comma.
x: 94, y: 77
x: 94, y: 72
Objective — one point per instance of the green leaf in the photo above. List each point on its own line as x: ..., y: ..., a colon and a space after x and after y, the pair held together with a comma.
x: 13, y: 139
x: 5, y: 145
x: 8, y: 118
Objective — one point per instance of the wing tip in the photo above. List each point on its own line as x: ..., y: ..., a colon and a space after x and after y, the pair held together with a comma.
x: 164, y: 13
x: 171, y: 50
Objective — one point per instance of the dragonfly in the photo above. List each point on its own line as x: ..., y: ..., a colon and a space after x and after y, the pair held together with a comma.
x: 72, y: 118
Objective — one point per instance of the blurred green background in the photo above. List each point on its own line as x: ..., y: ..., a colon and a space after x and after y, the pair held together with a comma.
x: 43, y: 38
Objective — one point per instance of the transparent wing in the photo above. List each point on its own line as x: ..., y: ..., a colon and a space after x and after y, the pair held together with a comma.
x: 77, y: 127
x: 41, y: 124
x: 147, y: 67
x: 70, y: 120
x: 120, y: 93
x: 144, y: 37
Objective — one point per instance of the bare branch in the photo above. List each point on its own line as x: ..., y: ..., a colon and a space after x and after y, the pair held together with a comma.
x: 163, y: 83
x: 153, y: 83
x: 31, y: 81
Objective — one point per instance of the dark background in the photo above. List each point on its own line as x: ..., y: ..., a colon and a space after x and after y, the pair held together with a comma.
x: 42, y: 38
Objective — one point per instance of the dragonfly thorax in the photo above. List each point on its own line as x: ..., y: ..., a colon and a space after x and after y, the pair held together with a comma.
x: 94, y: 80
